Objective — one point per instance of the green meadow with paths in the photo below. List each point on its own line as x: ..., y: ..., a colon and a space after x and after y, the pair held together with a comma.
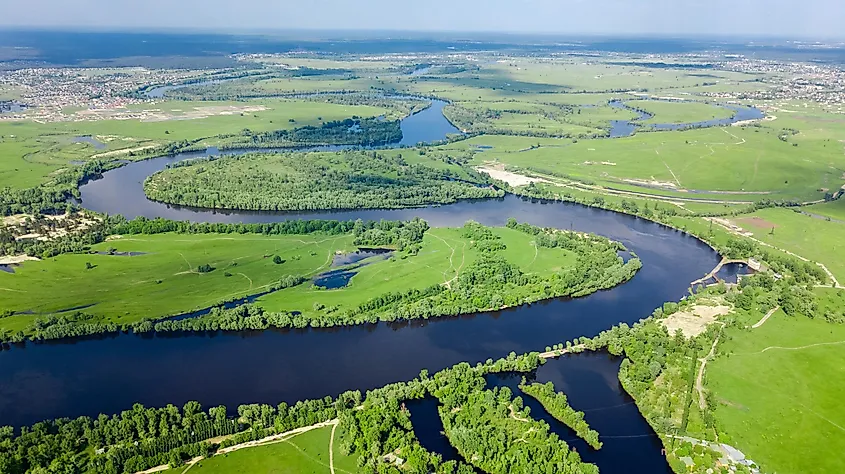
x: 777, y: 391
x: 167, y: 280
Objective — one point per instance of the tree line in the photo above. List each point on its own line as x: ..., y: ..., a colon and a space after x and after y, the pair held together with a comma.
x: 558, y: 406
x: 141, y: 438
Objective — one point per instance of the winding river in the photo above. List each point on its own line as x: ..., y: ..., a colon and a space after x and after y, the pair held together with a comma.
x: 109, y: 374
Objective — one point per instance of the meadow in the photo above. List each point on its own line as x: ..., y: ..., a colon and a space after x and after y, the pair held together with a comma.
x: 167, y: 280
x: 812, y: 238
x: 30, y: 152
x: 679, y: 112
x: 444, y: 254
x: 721, y: 163
x: 306, y: 453
x: 777, y: 390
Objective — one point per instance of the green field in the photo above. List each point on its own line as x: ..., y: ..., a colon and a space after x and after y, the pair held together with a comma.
x: 777, y: 390
x: 834, y: 210
x: 30, y: 151
x: 165, y: 281
x: 812, y: 238
x: 736, y: 163
x: 444, y: 254
x: 679, y: 112
x: 307, y: 453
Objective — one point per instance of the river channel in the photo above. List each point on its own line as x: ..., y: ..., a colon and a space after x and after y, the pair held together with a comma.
x: 109, y: 374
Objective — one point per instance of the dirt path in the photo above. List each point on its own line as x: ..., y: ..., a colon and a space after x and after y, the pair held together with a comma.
x: 536, y: 252
x: 699, y: 379
x: 191, y: 463
x: 451, y: 256
x: 278, y: 438
x: 765, y: 318
x: 248, y: 278
x: 735, y: 137
x: 553, y: 354
x: 618, y: 192
x: 331, y: 449
x: 673, y: 175
x: 515, y: 416
x: 448, y: 283
x: 771, y: 348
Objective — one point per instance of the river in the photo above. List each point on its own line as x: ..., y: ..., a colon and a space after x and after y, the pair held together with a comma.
x: 108, y: 374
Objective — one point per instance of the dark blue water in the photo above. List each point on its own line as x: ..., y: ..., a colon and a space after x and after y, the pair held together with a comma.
x: 591, y: 385
x: 730, y: 273
x: 71, y: 378
x: 428, y: 427
x: 334, y: 279
x: 427, y: 126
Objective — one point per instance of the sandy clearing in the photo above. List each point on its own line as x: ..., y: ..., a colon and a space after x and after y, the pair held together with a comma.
x: 694, y: 321
x: 652, y: 183
x: 15, y: 259
x: 512, y: 179
x: 756, y: 222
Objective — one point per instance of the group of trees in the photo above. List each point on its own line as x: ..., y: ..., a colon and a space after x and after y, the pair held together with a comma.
x: 558, y: 406
x: 483, y: 120
x: 492, y: 430
x: 489, y: 428
x: 373, y: 233
x: 352, y: 131
x: 141, y: 438
x: 314, y: 181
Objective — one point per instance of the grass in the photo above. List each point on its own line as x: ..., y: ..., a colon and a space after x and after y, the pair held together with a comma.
x: 165, y: 280
x: 444, y: 254
x: 782, y: 408
x: 680, y: 112
x: 30, y: 151
x: 833, y: 210
x: 307, y: 453
x: 735, y: 163
x: 816, y: 239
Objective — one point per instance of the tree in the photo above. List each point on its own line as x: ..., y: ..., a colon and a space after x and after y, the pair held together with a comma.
x: 278, y: 260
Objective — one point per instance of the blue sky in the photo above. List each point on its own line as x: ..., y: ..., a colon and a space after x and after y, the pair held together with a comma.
x: 779, y: 18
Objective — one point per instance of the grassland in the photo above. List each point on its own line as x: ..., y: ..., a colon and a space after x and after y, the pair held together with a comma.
x: 833, y: 210
x: 777, y: 388
x: 166, y: 281
x: 813, y: 238
x: 444, y: 254
x: 679, y: 112
x: 163, y: 281
x: 30, y: 151
x: 736, y: 163
x: 307, y: 453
